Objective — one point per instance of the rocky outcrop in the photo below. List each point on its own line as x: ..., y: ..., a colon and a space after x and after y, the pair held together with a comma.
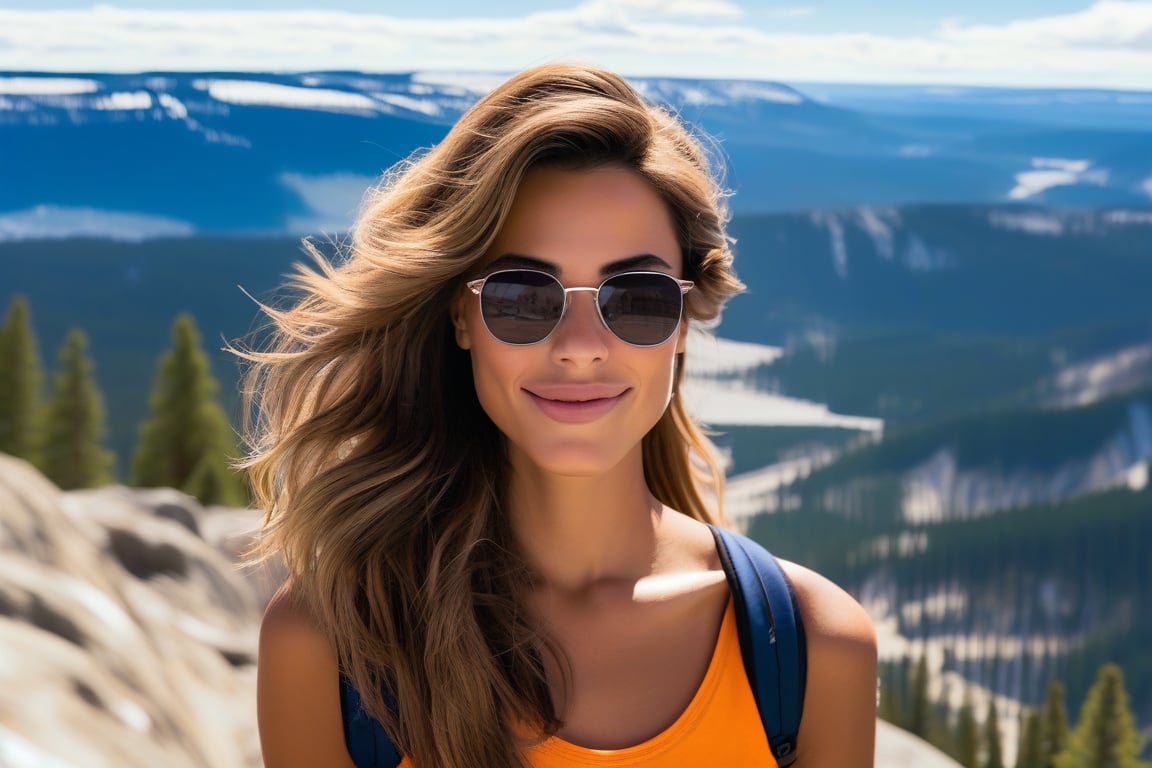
x: 127, y: 635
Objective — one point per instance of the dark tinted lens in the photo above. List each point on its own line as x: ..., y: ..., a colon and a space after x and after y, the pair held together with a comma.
x: 521, y: 306
x: 641, y: 308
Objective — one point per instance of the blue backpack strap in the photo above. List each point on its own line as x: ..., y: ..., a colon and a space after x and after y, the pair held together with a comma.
x: 368, y: 744
x: 771, y: 638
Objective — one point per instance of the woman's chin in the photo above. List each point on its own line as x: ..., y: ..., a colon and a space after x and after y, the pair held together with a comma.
x: 571, y: 460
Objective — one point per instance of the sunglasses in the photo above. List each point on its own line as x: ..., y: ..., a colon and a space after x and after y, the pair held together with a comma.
x: 524, y: 306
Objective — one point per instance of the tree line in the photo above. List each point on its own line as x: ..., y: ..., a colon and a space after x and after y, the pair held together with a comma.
x: 1105, y: 735
x: 186, y: 442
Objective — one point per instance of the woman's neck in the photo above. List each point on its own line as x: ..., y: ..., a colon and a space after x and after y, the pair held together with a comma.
x: 578, y: 533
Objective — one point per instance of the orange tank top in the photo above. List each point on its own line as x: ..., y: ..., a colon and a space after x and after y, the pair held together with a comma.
x: 721, y: 725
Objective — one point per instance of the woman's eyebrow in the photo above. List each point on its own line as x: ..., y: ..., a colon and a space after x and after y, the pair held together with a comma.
x: 641, y: 261
x: 520, y: 261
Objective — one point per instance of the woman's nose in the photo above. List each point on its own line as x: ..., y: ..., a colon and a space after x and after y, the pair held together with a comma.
x: 580, y: 338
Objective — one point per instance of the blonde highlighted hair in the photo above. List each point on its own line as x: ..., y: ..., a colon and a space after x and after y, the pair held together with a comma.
x: 382, y: 477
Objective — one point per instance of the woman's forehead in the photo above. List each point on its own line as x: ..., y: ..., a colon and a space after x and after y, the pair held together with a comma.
x: 589, y: 219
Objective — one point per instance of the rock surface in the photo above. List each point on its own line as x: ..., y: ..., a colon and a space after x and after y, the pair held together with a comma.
x: 126, y: 638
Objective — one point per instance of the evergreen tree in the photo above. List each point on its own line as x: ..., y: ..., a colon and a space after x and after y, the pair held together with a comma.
x: 187, y: 442
x: 993, y: 750
x: 1105, y: 735
x: 967, y: 735
x: 21, y: 380
x: 1030, y: 754
x: 890, y: 699
x: 74, y: 426
x: 920, y: 715
x: 1054, y: 725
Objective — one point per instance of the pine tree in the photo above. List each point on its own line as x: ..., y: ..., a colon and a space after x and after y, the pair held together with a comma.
x: 1030, y: 754
x: 890, y: 700
x: 1105, y: 735
x: 1054, y: 725
x: 993, y: 750
x: 920, y: 716
x: 967, y: 735
x: 21, y: 380
x: 74, y: 425
x: 188, y: 440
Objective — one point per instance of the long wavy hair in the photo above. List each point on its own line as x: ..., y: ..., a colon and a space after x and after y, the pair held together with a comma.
x: 383, y: 479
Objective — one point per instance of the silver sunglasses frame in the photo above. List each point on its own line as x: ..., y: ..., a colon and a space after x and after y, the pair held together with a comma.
x: 477, y: 286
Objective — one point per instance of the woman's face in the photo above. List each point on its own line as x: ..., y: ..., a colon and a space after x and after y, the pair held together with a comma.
x: 579, y: 402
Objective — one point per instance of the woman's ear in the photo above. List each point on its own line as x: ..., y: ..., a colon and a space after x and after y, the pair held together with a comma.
x: 460, y: 322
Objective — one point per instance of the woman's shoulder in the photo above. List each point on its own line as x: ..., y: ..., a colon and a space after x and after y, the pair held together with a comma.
x: 287, y: 626
x: 292, y: 645
x: 831, y: 615
x: 840, y: 695
x: 297, y: 689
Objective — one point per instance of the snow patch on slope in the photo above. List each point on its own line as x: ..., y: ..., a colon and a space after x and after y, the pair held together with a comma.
x: 718, y: 393
x: 737, y: 403
x: 1048, y: 172
x: 709, y: 355
x: 939, y: 489
x: 1097, y: 378
x: 122, y: 101
x: 831, y: 222
x: 260, y: 94
x: 880, y: 224
x: 46, y: 86
x: 51, y: 222
x: 409, y: 103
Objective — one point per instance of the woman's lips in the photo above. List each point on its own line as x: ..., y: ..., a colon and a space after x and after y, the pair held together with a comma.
x: 576, y: 407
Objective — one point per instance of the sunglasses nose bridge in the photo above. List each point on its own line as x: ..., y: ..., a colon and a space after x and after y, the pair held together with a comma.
x: 595, y: 291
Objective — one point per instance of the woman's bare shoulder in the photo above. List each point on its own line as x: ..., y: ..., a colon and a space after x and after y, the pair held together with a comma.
x: 840, y: 696
x: 297, y: 689
x: 831, y: 615
x: 287, y: 627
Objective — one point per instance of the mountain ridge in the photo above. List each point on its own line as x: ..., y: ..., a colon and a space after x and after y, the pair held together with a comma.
x: 232, y: 152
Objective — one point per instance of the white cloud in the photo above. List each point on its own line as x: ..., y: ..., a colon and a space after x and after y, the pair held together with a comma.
x: 1109, y: 24
x: 1107, y: 45
x: 698, y: 9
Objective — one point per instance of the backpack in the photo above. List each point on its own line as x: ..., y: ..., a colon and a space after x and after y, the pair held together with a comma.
x: 771, y: 641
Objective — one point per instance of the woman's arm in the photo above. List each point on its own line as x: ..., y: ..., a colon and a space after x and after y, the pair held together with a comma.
x: 838, y: 728
x: 297, y: 691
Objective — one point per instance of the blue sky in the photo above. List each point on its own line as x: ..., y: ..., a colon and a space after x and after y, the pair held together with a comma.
x: 1065, y: 43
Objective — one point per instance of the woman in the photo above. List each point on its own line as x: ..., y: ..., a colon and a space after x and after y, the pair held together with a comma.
x: 482, y: 477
